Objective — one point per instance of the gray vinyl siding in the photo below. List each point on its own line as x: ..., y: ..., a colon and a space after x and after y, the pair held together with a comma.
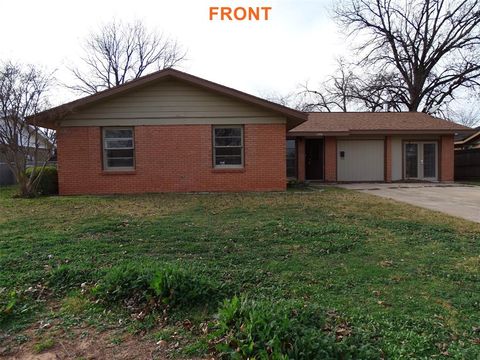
x: 170, y: 102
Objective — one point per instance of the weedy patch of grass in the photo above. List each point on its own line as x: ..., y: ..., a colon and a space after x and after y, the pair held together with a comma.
x: 408, y: 275
x: 288, y: 330
x: 116, y: 340
x: 65, y: 277
x: 153, y: 286
x: 44, y: 344
x: 17, y: 308
x: 75, y: 304
x: 8, y: 304
x: 165, y: 333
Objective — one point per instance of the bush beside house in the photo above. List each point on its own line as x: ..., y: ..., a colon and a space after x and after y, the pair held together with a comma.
x: 48, y: 182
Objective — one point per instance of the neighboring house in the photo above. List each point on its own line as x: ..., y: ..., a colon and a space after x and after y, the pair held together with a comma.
x: 467, y: 155
x: 27, y: 144
x: 27, y: 139
x: 171, y: 131
x: 468, y: 141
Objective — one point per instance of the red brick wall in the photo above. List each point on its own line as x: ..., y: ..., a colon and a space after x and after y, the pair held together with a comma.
x: 330, y: 159
x: 171, y: 158
x: 446, y: 158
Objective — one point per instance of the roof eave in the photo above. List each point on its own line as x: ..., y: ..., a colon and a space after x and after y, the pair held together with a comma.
x: 316, y: 133
x: 376, y: 132
x: 470, y: 138
x: 407, y: 131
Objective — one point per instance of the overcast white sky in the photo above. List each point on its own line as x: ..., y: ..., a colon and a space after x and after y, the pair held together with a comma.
x: 298, y: 43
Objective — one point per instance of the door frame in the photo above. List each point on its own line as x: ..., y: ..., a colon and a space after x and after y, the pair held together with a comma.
x: 322, y: 139
x: 420, y: 160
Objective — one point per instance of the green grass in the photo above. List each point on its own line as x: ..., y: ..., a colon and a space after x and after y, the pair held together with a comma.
x: 43, y: 345
x: 408, y: 276
x: 471, y: 182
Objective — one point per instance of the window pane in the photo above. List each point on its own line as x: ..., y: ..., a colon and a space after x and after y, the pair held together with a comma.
x: 118, y: 148
x: 228, y: 141
x: 117, y: 144
x: 120, y: 153
x: 228, y: 151
x: 411, y: 159
x: 291, y: 170
x: 429, y: 152
x: 223, y: 132
x: 291, y: 158
x: 228, y: 160
x: 120, y: 162
x: 118, y: 133
x: 291, y: 145
x: 291, y: 153
x: 228, y: 146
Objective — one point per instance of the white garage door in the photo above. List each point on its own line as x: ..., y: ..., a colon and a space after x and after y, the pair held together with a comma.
x: 360, y: 160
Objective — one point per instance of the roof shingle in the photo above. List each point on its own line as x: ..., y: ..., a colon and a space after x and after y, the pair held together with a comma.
x: 368, y: 122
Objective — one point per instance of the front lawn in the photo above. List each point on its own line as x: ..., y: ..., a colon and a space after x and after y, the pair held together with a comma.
x: 354, y: 274
x: 471, y: 182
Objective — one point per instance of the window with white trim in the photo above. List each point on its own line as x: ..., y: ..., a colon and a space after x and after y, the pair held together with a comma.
x: 228, y: 146
x: 118, y: 148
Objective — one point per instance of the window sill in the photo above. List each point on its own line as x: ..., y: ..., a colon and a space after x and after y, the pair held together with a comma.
x: 228, y: 170
x: 118, y: 172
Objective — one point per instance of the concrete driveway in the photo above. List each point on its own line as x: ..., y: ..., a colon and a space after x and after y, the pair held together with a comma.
x: 453, y: 199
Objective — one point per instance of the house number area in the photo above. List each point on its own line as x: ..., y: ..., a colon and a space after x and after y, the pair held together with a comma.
x: 227, y: 13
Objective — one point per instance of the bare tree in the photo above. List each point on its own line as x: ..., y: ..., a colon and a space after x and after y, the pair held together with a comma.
x: 351, y: 89
x: 292, y: 99
x: 432, y: 46
x: 468, y: 116
x: 336, y: 93
x: 120, y: 52
x: 377, y: 92
x: 23, y: 92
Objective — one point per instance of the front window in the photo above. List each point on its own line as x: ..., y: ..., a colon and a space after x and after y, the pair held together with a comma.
x: 118, y: 148
x: 228, y: 146
x: 291, y: 159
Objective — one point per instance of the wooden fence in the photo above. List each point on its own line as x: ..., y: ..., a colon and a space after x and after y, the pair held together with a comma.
x: 467, y: 164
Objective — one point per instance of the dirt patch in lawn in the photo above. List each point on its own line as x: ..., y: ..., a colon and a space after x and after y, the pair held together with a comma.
x: 97, y: 345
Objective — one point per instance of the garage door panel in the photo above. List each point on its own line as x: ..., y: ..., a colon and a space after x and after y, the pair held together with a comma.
x: 362, y: 160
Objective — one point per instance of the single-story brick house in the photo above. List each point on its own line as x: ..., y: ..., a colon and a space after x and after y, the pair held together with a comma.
x: 173, y: 132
